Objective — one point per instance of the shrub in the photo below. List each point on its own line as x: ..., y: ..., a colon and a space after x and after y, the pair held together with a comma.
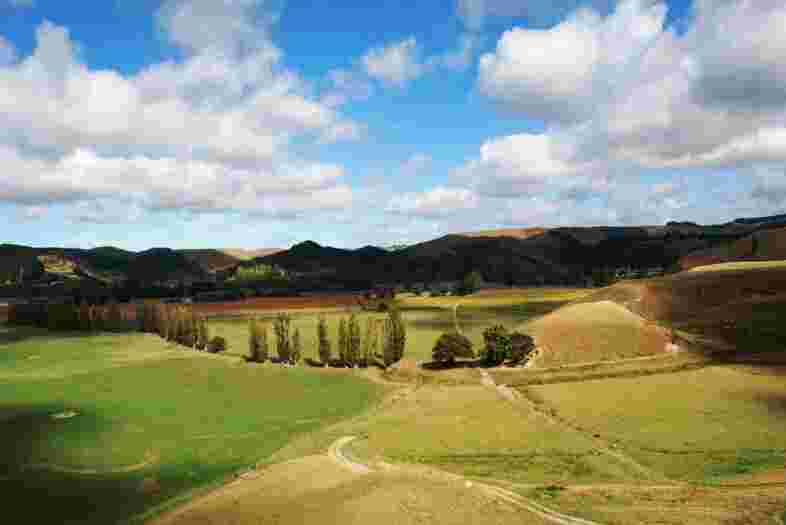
x: 470, y: 284
x: 283, y: 345
x: 84, y: 317
x: 395, y: 337
x: 451, y: 345
x: 521, y: 347
x: 370, y: 343
x: 217, y: 345
x: 324, y: 342
x: 115, y: 321
x: 497, y: 345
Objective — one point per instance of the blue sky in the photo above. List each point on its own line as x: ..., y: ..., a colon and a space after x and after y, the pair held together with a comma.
x: 249, y: 123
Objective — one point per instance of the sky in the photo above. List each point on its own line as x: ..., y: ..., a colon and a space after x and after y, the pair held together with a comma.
x: 262, y: 123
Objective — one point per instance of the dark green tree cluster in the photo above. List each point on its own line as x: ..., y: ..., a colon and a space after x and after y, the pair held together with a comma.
x: 469, y: 284
x: 501, y: 346
x: 283, y: 340
x: 323, y: 341
x: 452, y: 345
x: 71, y: 317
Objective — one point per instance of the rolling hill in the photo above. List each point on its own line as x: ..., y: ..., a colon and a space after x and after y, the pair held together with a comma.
x: 764, y: 245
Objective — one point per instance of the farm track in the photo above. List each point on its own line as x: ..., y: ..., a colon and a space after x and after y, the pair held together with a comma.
x: 495, y: 492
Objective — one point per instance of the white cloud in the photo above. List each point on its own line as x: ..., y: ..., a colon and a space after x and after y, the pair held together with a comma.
x: 559, y: 73
x: 208, y: 133
x: 437, y: 202
x: 396, y: 63
x: 624, y: 93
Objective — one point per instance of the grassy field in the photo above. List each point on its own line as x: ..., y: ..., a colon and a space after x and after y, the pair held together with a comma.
x: 99, y: 429
x: 739, y: 265
x: 704, y: 425
x: 426, y: 318
x: 471, y: 431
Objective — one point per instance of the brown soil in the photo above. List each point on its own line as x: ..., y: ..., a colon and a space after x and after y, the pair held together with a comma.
x: 278, y: 303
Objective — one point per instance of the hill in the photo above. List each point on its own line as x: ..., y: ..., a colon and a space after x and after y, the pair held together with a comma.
x: 762, y: 245
x: 211, y: 260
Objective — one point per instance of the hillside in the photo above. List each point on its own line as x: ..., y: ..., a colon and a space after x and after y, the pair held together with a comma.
x: 211, y: 260
x: 760, y: 246
x: 534, y: 256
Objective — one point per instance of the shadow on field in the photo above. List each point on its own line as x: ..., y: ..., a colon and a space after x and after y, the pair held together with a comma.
x: 38, y: 490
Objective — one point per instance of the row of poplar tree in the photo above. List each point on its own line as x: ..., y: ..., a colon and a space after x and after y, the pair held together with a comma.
x: 385, y: 339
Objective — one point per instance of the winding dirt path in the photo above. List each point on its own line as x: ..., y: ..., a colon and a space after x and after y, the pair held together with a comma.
x: 498, y: 493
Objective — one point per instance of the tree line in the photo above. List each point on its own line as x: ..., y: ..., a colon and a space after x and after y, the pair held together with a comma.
x: 354, y: 347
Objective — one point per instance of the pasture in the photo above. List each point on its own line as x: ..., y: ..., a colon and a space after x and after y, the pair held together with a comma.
x: 739, y: 265
x: 426, y: 318
x: 705, y: 425
x: 109, y: 428
x: 471, y: 431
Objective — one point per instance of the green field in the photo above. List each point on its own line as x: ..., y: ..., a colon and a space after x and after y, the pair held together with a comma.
x: 739, y: 265
x: 103, y: 428
x: 426, y: 319
x: 702, y: 425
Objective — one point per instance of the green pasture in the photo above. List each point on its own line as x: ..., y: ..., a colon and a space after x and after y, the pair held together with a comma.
x: 702, y: 425
x: 109, y: 428
x: 426, y: 319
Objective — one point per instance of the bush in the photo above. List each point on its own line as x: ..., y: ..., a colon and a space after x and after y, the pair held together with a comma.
x: 521, y: 347
x: 451, y: 345
x: 217, y: 345
x: 497, y: 345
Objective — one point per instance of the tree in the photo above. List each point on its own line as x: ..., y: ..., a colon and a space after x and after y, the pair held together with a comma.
x: 203, y: 335
x: 324, y: 342
x: 116, y: 323
x: 253, y: 341
x: 470, y: 283
x: 217, y: 345
x: 451, y: 345
x: 297, y: 349
x: 521, y: 347
x: 353, y: 343
x: 395, y: 337
x: 370, y: 343
x: 343, y: 342
x: 84, y: 317
x: 497, y: 347
x: 283, y: 344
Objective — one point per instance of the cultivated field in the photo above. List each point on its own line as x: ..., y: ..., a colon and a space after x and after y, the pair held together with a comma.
x: 98, y: 429
x: 704, y: 425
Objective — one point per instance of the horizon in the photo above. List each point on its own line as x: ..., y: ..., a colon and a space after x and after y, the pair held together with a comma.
x: 258, y: 125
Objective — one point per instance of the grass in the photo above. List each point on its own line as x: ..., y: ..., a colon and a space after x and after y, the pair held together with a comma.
x: 150, y: 424
x: 704, y: 425
x: 470, y: 431
x: 426, y: 319
x: 739, y: 265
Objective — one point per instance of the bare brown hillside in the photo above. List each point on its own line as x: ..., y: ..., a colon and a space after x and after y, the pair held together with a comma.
x: 759, y: 246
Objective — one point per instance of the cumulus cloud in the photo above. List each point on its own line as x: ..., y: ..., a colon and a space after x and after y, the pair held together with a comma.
x: 558, y: 73
x: 623, y: 93
x: 396, y: 63
x: 437, y: 202
x: 210, y: 132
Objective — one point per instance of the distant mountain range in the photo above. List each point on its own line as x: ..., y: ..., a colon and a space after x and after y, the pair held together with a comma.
x: 524, y: 256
